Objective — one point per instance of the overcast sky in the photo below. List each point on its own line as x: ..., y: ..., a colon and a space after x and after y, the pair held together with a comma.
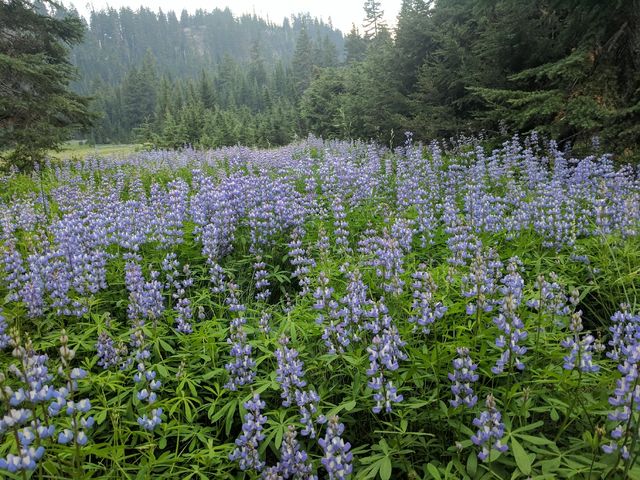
x: 341, y: 12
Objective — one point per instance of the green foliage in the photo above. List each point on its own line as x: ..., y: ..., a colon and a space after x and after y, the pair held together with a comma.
x: 568, y: 70
x: 554, y: 418
x: 37, y: 111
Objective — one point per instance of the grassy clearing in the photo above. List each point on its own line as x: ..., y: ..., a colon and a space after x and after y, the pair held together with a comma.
x: 74, y: 149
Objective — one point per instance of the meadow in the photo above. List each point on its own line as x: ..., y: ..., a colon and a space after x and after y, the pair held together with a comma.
x: 322, y: 310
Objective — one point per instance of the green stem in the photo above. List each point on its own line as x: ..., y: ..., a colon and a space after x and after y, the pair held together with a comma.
x: 633, y: 448
x: 626, y: 433
x: 539, y: 321
x: 572, y: 405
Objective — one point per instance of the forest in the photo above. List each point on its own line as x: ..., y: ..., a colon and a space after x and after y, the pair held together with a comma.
x: 449, y: 68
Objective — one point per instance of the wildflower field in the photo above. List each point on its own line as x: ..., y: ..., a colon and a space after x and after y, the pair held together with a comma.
x: 324, y: 310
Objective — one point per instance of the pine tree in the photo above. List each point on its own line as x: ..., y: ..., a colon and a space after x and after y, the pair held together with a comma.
x: 355, y: 46
x: 373, y: 21
x: 302, y: 63
x: 37, y: 111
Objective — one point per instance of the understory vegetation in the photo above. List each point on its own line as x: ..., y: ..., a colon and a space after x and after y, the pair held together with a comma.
x: 322, y: 310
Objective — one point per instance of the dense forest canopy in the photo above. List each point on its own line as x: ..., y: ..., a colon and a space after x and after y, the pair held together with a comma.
x: 568, y: 69
x: 182, y: 46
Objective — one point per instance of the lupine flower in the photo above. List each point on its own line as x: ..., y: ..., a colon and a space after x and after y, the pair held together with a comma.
x: 322, y: 296
x: 246, y: 452
x: 345, y: 318
x: 425, y: 310
x: 301, y: 261
x: 337, y: 458
x: 4, y: 337
x: 183, y: 308
x: 626, y: 402
x: 480, y: 285
x: 581, y: 349
x: 386, y: 255
x: 308, y: 401
x: 261, y: 277
x: 289, y: 373
x: 152, y: 420
x: 322, y: 243
x: 490, y: 430
x: 341, y: 231
x: 509, y: 322
x: 76, y: 410
x: 463, y: 377
x: 263, y: 324
x: 145, y: 297
x: 294, y: 462
x: 241, y: 368
x: 108, y: 355
x: 625, y: 331
x: 385, y: 353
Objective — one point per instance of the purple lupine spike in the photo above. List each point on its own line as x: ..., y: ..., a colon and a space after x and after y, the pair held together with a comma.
x: 289, y: 373
x: 301, y: 261
x: 581, y: 349
x: 626, y: 402
x: 625, y: 331
x: 337, y: 458
x: 480, y: 285
x: 294, y: 462
x: 490, y: 430
x: 385, y: 353
x: 463, y: 377
x: 4, y: 337
x: 246, y: 452
x: 261, y: 277
x: 508, y: 320
x: 425, y: 310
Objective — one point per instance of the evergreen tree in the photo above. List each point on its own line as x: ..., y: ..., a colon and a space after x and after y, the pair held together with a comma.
x: 320, y: 107
x: 373, y: 21
x: 302, y: 64
x: 37, y: 110
x: 355, y: 46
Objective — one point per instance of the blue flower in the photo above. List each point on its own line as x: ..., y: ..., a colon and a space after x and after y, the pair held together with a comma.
x: 463, y: 377
x: 490, y: 430
x: 246, y: 452
x: 337, y: 458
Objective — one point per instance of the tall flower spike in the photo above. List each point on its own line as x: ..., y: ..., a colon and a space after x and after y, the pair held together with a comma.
x: 490, y: 430
x: 463, y: 377
x: 108, y: 355
x: 626, y: 402
x: 294, y: 462
x: 581, y: 349
x: 289, y: 373
x: 337, y: 458
x: 509, y: 322
x: 261, y: 277
x: 425, y: 310
x: 246, y: 451
x: 4, y: 337
x: 625, y: 331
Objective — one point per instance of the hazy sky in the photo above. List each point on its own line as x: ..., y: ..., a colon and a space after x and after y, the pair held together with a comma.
x: 342, y: 12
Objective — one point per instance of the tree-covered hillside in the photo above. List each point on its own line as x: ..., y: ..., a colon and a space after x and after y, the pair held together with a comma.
x: 184, y: 45
x: 566, y: 69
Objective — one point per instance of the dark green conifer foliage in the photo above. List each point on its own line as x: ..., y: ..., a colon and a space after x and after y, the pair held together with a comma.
x: 37, y: 110
x: 373, y: 21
